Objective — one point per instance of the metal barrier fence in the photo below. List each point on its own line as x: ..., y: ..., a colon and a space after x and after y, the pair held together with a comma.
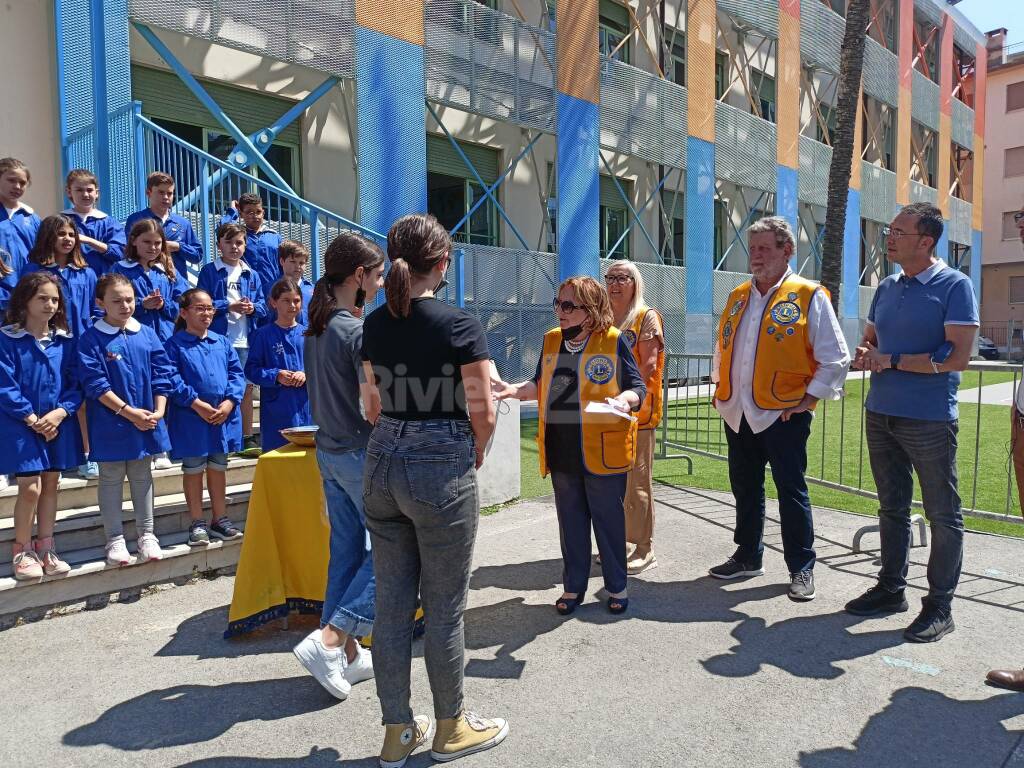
x: 837, y: 454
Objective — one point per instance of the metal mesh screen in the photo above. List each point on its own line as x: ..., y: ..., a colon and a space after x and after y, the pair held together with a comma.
x: 723, y: 285
x: 821, y: 35
x: 930, y: 11
x: 812, y: 179
x: 762, y: 15
x: 881, y: 73
x: 665, y: 290
x: 960, y: 212
x: 964, y: 38
x: 74, y: 38
x: 963, y: 124
x: 924, y: 99
x: 867, y: 295
x: 745, y: 148
x: 878, y: 193
x: 643, y: 115
x: 919, y: 193
x: 489, y: 63
x: 307, y: 32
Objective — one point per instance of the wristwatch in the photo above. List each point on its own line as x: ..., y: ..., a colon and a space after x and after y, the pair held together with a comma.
x: 894, y: 360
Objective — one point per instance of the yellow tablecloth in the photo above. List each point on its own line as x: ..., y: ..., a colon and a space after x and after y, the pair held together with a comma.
x: 283, y: 563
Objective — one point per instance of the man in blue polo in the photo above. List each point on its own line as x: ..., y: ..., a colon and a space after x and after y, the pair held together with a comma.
x: 919, y: 336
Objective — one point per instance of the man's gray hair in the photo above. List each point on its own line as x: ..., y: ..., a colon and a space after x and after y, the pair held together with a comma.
x: 776, y: 224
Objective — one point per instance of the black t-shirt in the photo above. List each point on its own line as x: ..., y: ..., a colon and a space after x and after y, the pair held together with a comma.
x: 418, y: 359
x: 563, y: 443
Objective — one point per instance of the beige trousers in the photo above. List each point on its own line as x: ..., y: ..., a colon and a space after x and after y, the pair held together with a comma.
x: 1017, y: 443
x: 639, y: 501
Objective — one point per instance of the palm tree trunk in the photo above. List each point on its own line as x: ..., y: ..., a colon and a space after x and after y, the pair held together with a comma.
x: 850, y: 66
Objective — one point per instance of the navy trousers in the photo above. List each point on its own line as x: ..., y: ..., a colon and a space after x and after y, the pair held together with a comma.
x: 582, y: 501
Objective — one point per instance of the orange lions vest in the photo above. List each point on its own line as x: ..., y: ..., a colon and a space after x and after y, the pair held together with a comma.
x: 649, y: 415
x: 609, y: 442
x: 784, y: 358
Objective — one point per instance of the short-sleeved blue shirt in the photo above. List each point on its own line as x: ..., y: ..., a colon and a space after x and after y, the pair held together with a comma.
x: 910, y: 316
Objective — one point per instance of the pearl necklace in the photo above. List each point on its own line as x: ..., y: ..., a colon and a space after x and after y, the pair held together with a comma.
x: 575, y: 347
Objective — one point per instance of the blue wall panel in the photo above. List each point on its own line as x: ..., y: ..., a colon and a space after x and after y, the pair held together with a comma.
x: 976, y: 262
x: 942, y: 247
x: 850, y: 294
x: 578, y: 188
x: 786, y: 202
x: 700, y: 224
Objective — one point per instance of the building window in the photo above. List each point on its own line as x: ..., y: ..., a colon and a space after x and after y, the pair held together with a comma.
x: 1015, y: 96
x: 1017, y: 290
x: 613, y: 29
x: 675, y: 45
x: 453, y: 191
x: 825, y: 129
x: 763, y: 87
x: 721, y: 217
x: 1010, y: 229
x: 1013, y: 162
x: 614, y: 217
x: 721, y: 74
x: 673, y: 248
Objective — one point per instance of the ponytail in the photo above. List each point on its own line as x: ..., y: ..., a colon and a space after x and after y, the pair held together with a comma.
x: 321, y: 307
x: 347, y: 252
x: 397, y: 288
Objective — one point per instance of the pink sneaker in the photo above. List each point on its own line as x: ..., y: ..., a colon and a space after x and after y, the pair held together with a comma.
x: 27, y: 566
x: 52, y: 564
x: 117, y: 552
x: 148, y: 548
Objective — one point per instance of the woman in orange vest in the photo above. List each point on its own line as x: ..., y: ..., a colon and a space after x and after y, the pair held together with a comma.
x: 586, y: 386
x: 642, y: 328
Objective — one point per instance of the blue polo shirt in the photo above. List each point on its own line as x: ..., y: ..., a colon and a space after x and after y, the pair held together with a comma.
x: 910, y: 316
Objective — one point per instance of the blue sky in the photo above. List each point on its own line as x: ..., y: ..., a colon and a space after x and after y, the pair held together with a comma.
x: 992, y: 14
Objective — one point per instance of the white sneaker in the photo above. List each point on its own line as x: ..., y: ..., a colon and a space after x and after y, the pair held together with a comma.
x: 162, y: 462
x: 148, y: 548
x: 117, y: 552
x: 327, y: 665
x: 361, y: 667
x: 5, y: 482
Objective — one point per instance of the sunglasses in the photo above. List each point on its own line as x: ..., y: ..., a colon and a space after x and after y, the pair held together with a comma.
x: 896, y: 234
x: 618, y: 279
x: 565, y: 306
x: 1018, y: 216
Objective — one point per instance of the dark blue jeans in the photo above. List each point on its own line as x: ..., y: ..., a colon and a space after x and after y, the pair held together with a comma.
x: 582, y: 500
x: 898, y: 447
x: 783, y: 446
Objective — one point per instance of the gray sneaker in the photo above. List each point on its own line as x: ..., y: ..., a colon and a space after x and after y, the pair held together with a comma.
x: 802, y: 585
x: 198, y: 536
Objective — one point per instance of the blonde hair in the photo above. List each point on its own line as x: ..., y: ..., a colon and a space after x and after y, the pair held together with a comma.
x: 638, y: 291
x: 592, y: 296
x: 14, y: 164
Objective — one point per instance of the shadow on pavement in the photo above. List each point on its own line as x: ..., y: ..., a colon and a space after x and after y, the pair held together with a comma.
x: 189, y: 714
x: 925, y: 728
x: 201, y: 636
x: 317, y: 758
x: 804, y: 646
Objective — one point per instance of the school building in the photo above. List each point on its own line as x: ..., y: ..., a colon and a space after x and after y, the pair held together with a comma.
x: 546, y: 135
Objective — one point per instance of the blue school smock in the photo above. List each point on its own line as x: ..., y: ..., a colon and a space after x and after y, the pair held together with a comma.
x: 260, y: 250
x: 208, y: 369
x: 99, y: 226
x: 78, y: 284
x: 18, y: 232
x: 132, y: 363
x: 271, y: 350
x: 178, y: 229
x: 213, y: 280
x: 10, y: 281
x: 307, y: 295
x: 145, y: 281
x: 37, y: 379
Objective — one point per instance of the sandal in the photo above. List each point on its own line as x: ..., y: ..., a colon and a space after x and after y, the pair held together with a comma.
x: 566, y: 605
x: 618, y: 604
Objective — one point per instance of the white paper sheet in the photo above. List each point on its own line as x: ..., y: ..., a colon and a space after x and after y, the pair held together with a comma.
x: 604, y: 408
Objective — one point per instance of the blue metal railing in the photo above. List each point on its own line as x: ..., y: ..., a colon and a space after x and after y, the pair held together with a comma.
x: 206, y: 186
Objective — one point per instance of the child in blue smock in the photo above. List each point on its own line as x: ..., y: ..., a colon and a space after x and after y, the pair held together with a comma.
x: 239, y: 306
x: 294, y: 257
x: 182, y: 242
x: 126, y: 378
x: 275, y: 366
x: 203, y: 420
x: 38, y: 392
x: 19, y: 224
x: 149, y: 267
x: 261, y: 242
x: 8, y: 279
x: 102, y: 236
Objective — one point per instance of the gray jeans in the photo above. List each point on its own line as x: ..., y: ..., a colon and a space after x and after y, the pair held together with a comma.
x: 108, y: 491
x: 898, y: 448
x: 421, y: 506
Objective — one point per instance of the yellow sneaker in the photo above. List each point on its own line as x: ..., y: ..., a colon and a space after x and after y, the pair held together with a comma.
x: 466, y: 734
x: 400, y: 741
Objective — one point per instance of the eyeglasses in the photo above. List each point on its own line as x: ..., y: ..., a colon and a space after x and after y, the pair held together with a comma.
x: 618, y: 279
x: 202, y: 309
x: 1018, y: 216
x: 565, y: 306
x: 896, y: 234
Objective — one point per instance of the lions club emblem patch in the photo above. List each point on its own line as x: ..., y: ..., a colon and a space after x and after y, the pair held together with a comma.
x: 630, y: 337
x: 600, y: 369
x: 785, y: 313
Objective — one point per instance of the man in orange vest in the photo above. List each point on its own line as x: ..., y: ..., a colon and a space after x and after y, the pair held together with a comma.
x: 779, y: 350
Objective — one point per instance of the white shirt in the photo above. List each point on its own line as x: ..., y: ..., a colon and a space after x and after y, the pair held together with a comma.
x: 827, y: 341
x: 238, y: 323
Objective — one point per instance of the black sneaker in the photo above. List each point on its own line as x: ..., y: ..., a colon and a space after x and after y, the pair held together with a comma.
x: 733, y: 569
x: 224, y: 530
x: 931, y: 624
x: 878, y: 599
x: 197, y: 534
x: 801, y: 586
